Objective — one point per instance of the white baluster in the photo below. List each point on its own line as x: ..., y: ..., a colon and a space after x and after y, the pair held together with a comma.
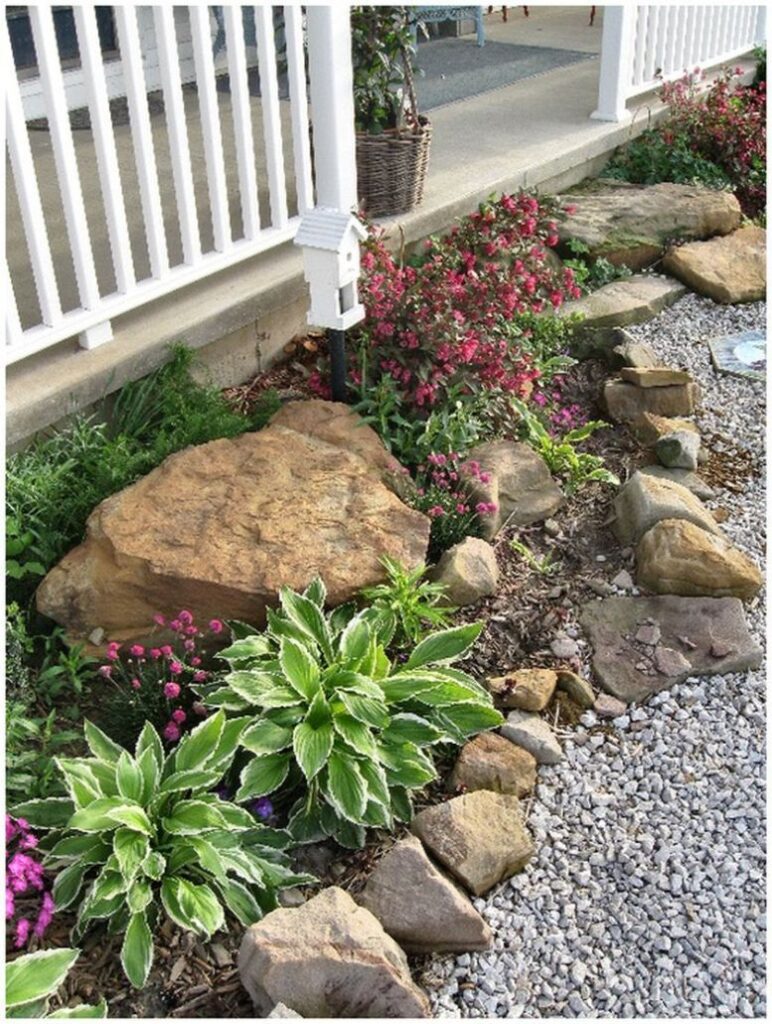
x: 242, y: 121
x: 269, y: 90
x: 301, y: 144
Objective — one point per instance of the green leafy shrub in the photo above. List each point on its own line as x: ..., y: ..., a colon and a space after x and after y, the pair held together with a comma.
x: 143, y: 835
x: 381, y: 46
x: 411, y: 599
x: 32, y: 979
x: 32, y: 741
x: 338, y: 727
x: 590, y: 274
x: 649, y: 159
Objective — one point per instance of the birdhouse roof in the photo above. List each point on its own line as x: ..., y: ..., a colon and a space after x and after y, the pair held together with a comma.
x: 324, y: 228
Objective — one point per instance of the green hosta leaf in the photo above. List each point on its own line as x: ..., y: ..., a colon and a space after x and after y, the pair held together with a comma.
x: 355, y: 640
x: 150, y: 740
x: 131, y: 849
x: 86, y: 846
x: 51, y: 813
x: 154, y: 866
x: 107, y: 885
x: 193, y: 816
x: 194, y: 907
x: 444, y: 646
x: 237, y: 818
x: 264, y: 774
x: 232, y: 731
x: 308, y: 618
x: 36, y: 976
x: 305, y: 823
x: 128, y: 775
x: 312, y: 747
x: 377, y: 784
x: 134, y: 818
x: 266, y: 737
x: 198, y: 746
x: 81, y: 782
x: 466, y: 720
x: 404, y: 687
x: 68, y: 884
x: 139, y: 896
x: 95, y: 1011
x: 365, y: 709
x: 319, y: 712
x: 100, y: 744
x: 208, y: 857
x: 401, y: 804
x: 341, y: 615
x: 381, y: 664
x: 244, y: 864
x: 316, y: 591
x: 280, y: 697
x: 350, y: 835
x: 148, y: 767
x: 137, y: 951
x: 251, y: 686
x: 353, y: 682
x: 255, y: 646
x: 98, y: 816
x: 448, y: 693
x: 410, y: 774
x: 240, y: 901
x: 377, y: 815
x: 344, y: 786
x: 409, y: 728
x: 356, y: 734
x: 224, y: 697
x: 382, y: 622
x: 300, y: 670
x: 104, y: 774
x: 193, y: 779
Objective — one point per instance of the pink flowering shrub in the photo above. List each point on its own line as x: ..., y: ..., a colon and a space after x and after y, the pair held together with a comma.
x: 24, y: 878
x: 444, y: 494
x: 155, y: 683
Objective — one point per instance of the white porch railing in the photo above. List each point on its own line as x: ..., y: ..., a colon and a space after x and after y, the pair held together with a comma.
x: 644, y: 45
x: 90, y: 320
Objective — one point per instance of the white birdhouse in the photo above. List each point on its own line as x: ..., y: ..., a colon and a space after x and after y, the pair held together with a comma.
x: 330, y: 241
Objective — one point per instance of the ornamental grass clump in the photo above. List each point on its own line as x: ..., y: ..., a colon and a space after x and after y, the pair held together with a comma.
x: 142, y: 836
x: 340, y: 732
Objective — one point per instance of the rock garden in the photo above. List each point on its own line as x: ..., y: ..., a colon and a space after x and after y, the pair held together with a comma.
x: 448, y: 702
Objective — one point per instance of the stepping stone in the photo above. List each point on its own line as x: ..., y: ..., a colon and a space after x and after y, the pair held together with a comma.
x: 684, y: 478
x: 690, y: 625
x: 728, y: 270
x: 479, y: 837
x: 577, y: 688
x: 677, y: 557
x: 649, y: 428
x: 420, y: 907
x: 528, y: 688
x: 490, y: 761
x: 328, y: 958
x: 626, y: 402
x: 468, y: 571
x: 520, y: 485
x: 646, y: 499
x: 632, y: 224
x: 679, y: 450
x: 532, y: 733
x: 654, y: 377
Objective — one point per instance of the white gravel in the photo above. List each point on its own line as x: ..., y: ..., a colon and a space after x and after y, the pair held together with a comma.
x: 646, y: 896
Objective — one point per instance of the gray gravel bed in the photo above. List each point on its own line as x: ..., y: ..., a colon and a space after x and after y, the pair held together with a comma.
x: 646, y: 896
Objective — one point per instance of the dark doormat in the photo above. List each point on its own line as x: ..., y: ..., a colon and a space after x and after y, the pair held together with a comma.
x: 455, y: 69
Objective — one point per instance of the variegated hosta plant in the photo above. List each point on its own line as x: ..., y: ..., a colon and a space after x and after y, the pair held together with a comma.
x: 141, y: 835
x: 337, y: 721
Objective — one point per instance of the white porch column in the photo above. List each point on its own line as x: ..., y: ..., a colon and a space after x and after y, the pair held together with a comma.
x: 761, y: 24
x: 616, y: 62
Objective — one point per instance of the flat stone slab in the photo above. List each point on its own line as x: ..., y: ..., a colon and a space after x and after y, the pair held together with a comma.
x: 727, y: 270
x: 697, y: 628
x: 649, y: 428
x: 626, y: 402
x: 654, y: 376
x: 490, y: 761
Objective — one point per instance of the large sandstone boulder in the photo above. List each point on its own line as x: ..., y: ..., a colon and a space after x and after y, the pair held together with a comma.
x: 490, y: 761
x: 419, y: 906
x: 328, y: 958
x: 677, y: 557
x: 646, y: 499
x: 520, y: 485
x: 479, y: 837
x: 631, y: 224
x: 729, y: 269
x: 220, y: 527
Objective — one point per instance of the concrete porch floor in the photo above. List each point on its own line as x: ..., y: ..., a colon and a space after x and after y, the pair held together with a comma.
x: 536, y: 132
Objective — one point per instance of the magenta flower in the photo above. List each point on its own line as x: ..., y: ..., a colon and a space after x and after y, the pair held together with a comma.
x: 195, y: 661
x: 171, y: 732
x: 136, y: 684
x: 159, y: 620
x: 172, y: 691
x: 179, y: 716
x: 216, y: 626
x: 199, y: 709
x: 185, y: 617
x: 167, y: 651
x: 106, y: 671
x: 23, y: 928
x: 137, y: 650
x: 199, y: 677
x: 155, y: 653
x: 175, y: 668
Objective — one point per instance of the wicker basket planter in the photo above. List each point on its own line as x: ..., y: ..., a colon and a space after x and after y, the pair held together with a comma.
x: 391, y: 168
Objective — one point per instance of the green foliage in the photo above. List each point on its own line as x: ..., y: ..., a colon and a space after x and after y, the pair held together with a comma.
x: 140, y: 836
x: 651, y: 158
x: 411, y: 599
x: 760, y: 56
x: 560, y: 454
x: 381, y: 46
x: 337, y: 723
x: 65, y: 667
x: 545, y: 566
x: 590, y: 274
x: 19, y: 646
x: 32, y: 979
x: 32, y: 741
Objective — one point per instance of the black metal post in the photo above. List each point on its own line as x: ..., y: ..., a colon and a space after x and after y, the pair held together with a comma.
x: 337, y: 344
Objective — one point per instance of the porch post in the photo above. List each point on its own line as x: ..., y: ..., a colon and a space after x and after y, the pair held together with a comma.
x: 616, y: 60
x: 761, y: 24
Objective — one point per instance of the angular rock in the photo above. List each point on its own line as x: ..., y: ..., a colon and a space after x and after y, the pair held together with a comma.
x: 648, y: 428
x: 419, y: 906
x: 636, y: 353
x: 577, y: 688
x: 532, y: 733
x: 679, y: 450
x: 645, y: 500
x: 626, y: 402
x: 729, y: 269
x: 702, y: 621
x: 631, y: 224
x: 220, y: 527
x: 468, y: 570
x: 328, y: 958
x: 528, y: 688
x: 520, y: 485
x: 479, y: 837
x: 654, y: 377
x: 607, y: 706
x: 623, y: 580
x: 684, y: 478
x: 676, y: 557
x: 490, y: 761
x: 280, y: 1010
x: 669, y: 662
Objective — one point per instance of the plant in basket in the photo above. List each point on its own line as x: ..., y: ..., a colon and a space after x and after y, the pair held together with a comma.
x: 392, y: 137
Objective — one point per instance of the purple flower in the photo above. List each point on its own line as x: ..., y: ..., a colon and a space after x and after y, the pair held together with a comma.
x: 47, y: 908
x: 23, y: 927
x: 172, y: 691
x: 262, y: 808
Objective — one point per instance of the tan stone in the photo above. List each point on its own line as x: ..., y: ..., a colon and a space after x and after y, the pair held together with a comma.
x: 654, y: 376
x: 479, y: 837
x: 677, y: 557
x: 526, y: 688
x: 419, y: 906
x: 219, y: 528
x: 729, y: 269
x: 626, y: 402
x: 328, y: 958
x: 648, y: 428
x: 645, y: 500
x: 686, y: 478
x: 577, y: 688
x: 490, y: 761
x: 468, y: 571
